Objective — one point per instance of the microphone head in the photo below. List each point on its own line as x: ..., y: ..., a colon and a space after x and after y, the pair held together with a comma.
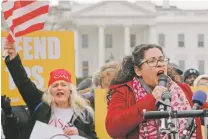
x: 199, y: 97
x: 162, y: 80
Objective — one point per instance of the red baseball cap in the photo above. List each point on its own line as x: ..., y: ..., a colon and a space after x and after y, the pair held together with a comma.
x: 59, y: 74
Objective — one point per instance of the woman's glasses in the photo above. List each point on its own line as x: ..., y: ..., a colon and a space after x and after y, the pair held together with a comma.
x: 153, y: 62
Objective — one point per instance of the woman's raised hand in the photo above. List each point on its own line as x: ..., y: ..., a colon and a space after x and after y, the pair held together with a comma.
x: 10, y: 50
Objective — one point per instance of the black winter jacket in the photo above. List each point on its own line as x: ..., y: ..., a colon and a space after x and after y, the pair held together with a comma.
x: 33, y: 97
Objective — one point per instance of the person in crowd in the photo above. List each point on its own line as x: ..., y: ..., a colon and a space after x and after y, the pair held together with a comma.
x: 135, y: 90
x: 9, y: 120
x: 23, y: 115
x: 86, y: 83
x: 86, y: 90
x: 177, y: 72
x: 59, y: 106
x: 13, y: 117
x: 190, y: 75
x: 103, y: 77
x: 96, y: 79
x: 174, y: 75
x: 201, y: 80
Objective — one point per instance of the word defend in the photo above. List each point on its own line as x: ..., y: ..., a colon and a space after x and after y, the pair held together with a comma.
x: 35, y: 48
x: 41, y: 52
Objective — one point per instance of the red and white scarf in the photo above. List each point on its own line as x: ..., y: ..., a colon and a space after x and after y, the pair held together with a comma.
x: 179, y: 101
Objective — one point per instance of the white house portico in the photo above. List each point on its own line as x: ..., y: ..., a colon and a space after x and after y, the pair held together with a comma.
x: 112, y: 19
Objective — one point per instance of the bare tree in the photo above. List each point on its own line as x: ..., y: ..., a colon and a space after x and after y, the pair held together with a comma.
x: 59, y: 17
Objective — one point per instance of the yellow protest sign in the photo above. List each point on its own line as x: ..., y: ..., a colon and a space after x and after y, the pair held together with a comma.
x: 205, y: 89
x: 40, y: 52
x: 100, y: 113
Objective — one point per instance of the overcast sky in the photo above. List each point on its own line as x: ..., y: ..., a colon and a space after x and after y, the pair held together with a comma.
x: 184, y: 4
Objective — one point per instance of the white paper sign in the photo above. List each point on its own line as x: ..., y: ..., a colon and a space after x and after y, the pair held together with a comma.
x: 45, y: 131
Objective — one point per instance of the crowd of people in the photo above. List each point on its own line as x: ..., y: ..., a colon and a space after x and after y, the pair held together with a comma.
x: 131, y: 87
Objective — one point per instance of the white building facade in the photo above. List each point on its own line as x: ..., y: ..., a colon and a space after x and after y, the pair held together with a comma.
x: 109, y: 30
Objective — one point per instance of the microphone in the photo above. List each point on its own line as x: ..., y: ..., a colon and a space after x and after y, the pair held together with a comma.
x: 165, y: 98
x: 199, y: 98
x: 164, y: 103
x: 162, y: 81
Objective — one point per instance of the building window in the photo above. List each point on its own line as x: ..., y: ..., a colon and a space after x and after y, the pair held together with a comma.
x: 181, y: 64
x: 133, y: 40
x: 181, y: 39
x: 201, y: 66
x: 108, y: 40
x: 85, y: 69
x: 161, y: 40
x: 200, y: 40
x: 84, y: 41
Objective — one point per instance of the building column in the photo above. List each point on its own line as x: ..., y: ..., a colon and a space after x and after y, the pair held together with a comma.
x: 127, y: 41
x: 145, y: 36
x: 101, y: 46
x: 76, y: 49
x: 152, y: 34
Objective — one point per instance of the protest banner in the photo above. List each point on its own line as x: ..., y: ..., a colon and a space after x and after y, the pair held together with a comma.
x: 45, y: 131
x: 40, y: 52
x: 100, y: 113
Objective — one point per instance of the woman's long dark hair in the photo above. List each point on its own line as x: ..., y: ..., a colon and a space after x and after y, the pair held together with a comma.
x: 127, y: 72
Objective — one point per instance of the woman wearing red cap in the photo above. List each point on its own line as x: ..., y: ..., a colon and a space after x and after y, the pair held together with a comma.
x: 58, y: 106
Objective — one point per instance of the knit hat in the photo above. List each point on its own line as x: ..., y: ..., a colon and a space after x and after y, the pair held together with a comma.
x: 59, y: 74
x: 189, y: 72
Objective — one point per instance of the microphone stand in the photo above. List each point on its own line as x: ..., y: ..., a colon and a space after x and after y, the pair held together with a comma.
x: 206, y: 123
x: 162, y: 108
x: 167, y: 126
x: 193, y: 128
x: 192, y: 131
x: 179, y: 114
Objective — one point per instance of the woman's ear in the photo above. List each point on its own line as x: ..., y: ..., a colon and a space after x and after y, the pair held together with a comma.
x: 137, y: 70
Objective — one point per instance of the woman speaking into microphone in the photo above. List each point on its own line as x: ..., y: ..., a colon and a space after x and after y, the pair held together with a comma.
x: 136, y: 89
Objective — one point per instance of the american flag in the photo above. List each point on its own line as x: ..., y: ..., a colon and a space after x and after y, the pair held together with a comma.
x: 24, y: 16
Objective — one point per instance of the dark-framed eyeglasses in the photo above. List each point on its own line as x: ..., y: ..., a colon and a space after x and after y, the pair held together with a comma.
x: 153, y: 62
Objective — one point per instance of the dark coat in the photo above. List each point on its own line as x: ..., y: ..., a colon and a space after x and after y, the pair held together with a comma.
x: 33, y: 97
x: 10, y: 126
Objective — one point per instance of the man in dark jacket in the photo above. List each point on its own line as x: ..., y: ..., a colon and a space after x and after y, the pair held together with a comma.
x: 9, y: 120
